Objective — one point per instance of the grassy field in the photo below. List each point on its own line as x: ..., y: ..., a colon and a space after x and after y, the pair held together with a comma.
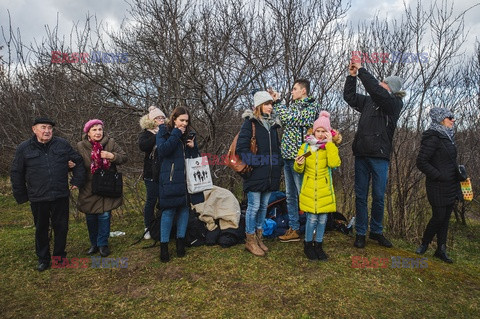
x: 215, y: 282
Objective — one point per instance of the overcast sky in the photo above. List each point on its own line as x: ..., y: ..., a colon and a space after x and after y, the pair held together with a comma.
x: 32, y: 16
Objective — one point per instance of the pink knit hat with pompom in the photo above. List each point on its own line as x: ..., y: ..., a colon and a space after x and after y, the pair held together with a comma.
x: 323, y: 121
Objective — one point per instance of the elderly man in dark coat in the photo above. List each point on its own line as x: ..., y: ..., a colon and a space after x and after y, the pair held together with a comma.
x: 39, y: 174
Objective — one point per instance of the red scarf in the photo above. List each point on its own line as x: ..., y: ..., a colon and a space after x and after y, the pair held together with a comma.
x: 96, y: 161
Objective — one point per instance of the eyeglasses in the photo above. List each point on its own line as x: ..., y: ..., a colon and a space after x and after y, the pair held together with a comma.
x: 451, y: 118
x: 160, y: 118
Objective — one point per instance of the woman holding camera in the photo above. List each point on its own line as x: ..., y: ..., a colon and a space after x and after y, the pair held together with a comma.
x: 175, y: 142
x: 437, y: 159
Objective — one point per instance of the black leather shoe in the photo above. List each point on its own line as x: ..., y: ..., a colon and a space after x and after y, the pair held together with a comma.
x: 104, y: 251
x: 441, y: 253
x: 43, y: 266
x: 421, y: 249
x: 359, y: 241
x: 92, y: 250
x: 382, y: 241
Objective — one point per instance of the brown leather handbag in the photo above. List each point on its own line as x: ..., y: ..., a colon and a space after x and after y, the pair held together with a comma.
x: 234, y: 161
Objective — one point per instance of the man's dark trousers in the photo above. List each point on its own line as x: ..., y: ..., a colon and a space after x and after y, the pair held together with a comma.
x: 57, y: 212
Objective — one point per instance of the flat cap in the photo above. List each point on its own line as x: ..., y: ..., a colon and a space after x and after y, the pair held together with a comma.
x: 43, y: 120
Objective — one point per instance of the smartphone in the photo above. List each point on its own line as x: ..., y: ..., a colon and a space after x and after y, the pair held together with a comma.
x: 307, y: 154
x: 191, y: 135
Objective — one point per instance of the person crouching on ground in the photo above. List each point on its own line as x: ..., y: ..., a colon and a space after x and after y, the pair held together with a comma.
x: 315, y: 160
x: 266, y: 164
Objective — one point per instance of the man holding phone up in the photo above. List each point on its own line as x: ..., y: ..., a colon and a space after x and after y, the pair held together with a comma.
x: 372, y: 145
x: 296, y: 119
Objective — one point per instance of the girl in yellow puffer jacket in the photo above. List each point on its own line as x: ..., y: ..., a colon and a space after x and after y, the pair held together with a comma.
x: 315, y: 159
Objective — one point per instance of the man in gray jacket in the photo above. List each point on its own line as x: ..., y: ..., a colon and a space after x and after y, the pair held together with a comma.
x: 39, y: 174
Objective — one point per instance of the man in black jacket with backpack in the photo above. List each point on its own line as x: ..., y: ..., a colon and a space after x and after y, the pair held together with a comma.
x: 372, y: 145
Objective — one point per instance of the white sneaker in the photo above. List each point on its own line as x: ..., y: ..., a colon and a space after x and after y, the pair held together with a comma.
x: 147, y: 235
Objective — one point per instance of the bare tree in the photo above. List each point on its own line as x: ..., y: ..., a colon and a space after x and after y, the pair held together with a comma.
x: 210, y: 55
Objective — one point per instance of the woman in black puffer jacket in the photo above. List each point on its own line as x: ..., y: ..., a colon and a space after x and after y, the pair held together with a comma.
x: 266, y: 164
x: 146, y: 141
x: 437, y: 159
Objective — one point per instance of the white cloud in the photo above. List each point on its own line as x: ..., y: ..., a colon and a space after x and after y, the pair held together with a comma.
x: 31, y: 17
x: 362, y: 10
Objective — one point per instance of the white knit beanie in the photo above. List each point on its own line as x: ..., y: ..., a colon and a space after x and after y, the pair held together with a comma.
x: 154, y: 111
x: 261, y: 97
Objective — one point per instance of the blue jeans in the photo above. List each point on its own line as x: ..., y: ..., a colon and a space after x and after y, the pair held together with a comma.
x: 315, y: 222
x: 98, y: 228
x: 293, y: 185
x: 166, y: 222
x: 376, y: 169
x: 256, y: 210
x: 152, y: 198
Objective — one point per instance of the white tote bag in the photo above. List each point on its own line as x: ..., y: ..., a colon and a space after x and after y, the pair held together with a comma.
x: 199, y: 178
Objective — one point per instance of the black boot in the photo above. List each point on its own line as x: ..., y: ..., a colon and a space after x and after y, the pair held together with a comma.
x: 92, y: 250
x: 421, y: 249
x: 359, y: 241
x: 104, y: 251
x: 322, y: 256
x: 382, y: 241
x: 164, y: 256
x: 42, y: 266
x: 441, y: 253
x: 309, y: 250
x: 180, y: 247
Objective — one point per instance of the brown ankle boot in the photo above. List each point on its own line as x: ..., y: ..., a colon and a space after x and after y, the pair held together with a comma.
x: 252, y: 246
x: 260, y: 243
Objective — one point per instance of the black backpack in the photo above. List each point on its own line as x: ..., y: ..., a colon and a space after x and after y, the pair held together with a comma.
x: 337, y: 221
x: 154, y: 230
x: 196, y: 230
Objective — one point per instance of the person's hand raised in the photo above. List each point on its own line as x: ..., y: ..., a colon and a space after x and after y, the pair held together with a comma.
x: 190, y: 143
x: 328, y: 136
x: 353, y: 68
x: 274, y: 94
x: 182, y: 128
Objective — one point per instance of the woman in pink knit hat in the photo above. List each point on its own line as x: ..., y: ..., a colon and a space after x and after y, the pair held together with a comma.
x: 99, y: 152
x: 315, y: 159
